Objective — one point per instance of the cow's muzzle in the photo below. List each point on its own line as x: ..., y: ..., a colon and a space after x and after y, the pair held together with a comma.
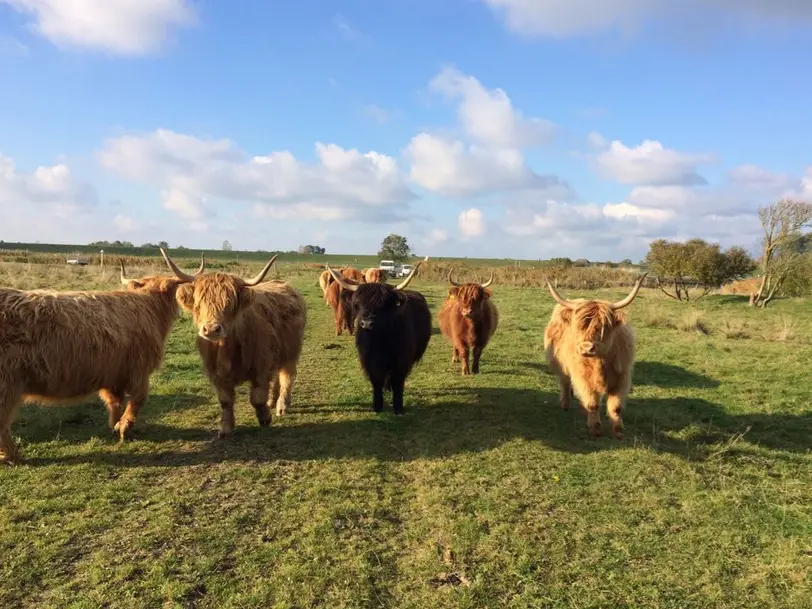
x: 588, y: 349
x: 366, y: 323
x: 213, y: 331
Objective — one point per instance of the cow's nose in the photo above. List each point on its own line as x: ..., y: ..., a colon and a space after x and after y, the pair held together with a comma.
x: 210, y: 329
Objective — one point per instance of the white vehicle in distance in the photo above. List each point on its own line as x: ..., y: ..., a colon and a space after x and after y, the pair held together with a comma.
x: 388, y: 267
x: 406, y: 269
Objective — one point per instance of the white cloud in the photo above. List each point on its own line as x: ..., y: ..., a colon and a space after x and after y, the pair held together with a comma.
x: 437, y: 236
x: 124, y: 27
x: 488, y: 116
x: 53, y: 187
x: 453, y: 169
x: 566, y: 18
x: 378, y: 114
x: 652, y: 164
x: 126, y: 224
x: 347, y: 30
x: 341, y: 183
x: 627, y: 210
x: 595, y: 141
x: 471, y: 223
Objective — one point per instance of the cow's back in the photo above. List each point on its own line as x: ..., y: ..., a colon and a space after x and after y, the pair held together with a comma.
x: 271, y: 329
x: 62, y: 346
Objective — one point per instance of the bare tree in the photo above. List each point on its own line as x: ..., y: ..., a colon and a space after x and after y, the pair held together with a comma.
x: 782, y: 222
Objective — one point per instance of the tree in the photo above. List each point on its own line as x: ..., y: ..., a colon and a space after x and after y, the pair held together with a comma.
x: 783, y: 245
x: 695, y: 264
x: 227, y: 246
x: 311, y: 249
x: 163, y: 244
x: 394, y: 247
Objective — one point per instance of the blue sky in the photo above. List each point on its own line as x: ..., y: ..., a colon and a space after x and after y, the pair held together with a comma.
x: 509, y: 128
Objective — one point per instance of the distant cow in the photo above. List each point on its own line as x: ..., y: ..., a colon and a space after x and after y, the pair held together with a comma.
x: 248, y: 331
x: 394, y: 328
x: 62, y: 347
x: 591, y: 349
x: 349, y: 272
x: 468, y: 319
x: 374, y: 276
x: 325, y: 279
x: 339, y: 300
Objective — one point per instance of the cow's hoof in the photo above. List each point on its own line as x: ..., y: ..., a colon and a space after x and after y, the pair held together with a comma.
x: 124, y: 429
x: 617, y: 434
x: 595, y: 432
x: 222, y: 434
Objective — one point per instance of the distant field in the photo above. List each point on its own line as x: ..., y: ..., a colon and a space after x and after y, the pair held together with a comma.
x: 291, y: 257
x: 483, y: 495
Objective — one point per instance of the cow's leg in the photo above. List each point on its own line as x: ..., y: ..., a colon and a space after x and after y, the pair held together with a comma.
x: 377, y: 396
x: 287, y: 377
x: 226, y: 395
x: 592, y: 404
x: 274, y: 386
x: 455, y: 355
x: 465, y: 353
x: 259, y: 400
x: 112, y: 400
x: 614, y: 407
x: 9, y: 403
x: 565, y: 398
x: 477, y: 354
x: 397, y: 393
x: 138, y: 395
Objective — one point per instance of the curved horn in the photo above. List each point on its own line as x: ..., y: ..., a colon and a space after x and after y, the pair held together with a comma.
x: 487, y: 283
x: 347, y: 286
x: 261, y: 275
x: 174, y: 267
x: 628, y: 300
x: 406, y: 281
x: 563, y: 302
x: 202, y: 264
x: 124, y: 280
x: 451, y: 281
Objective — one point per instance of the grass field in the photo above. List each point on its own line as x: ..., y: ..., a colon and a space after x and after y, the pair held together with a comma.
x: 484, y: 494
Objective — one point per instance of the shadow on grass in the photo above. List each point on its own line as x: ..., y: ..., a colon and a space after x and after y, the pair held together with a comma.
x: 467, y: 421
x: 659, y: 374
x: 82, y: 422
x: 727, y: 299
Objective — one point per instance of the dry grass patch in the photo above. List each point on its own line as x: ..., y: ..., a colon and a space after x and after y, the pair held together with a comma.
x: 735, y: 329
x: 693, y: 322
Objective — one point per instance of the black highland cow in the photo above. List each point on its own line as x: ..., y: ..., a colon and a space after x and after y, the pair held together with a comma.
x: 392, y: 332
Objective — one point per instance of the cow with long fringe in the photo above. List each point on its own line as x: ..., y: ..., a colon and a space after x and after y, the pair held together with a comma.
x: 374, y: 276
x: 468, y: 320
x: 247, y: 332
x: 339, y: 300
x: 393, y: 331
x: 591, y: 349
x: 63, y: 347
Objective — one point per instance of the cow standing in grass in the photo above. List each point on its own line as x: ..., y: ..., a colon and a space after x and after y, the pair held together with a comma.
x: 339, y: 300
x: 62, y: 347
x: 468, y: 319
x: 374, y: 276
x: 591, y: 349
x: 394, y: 328
x: 248, y: 331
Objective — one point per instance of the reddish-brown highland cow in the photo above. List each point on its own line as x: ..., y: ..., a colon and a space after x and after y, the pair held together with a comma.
x: 468, y: 320
x: 248, y: 331
x: 591, y: 349
x: 339, y: 300
x: 374, y: 276
x: 62, y: 347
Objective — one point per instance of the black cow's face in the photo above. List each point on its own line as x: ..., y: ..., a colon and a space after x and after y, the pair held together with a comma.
x: 373, y: 304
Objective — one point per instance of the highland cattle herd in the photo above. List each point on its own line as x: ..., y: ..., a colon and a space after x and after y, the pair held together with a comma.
x: 62, y: 347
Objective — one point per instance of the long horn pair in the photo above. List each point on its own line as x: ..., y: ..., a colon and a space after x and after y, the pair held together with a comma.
x: 189, y: 278
x: 454, y: 283
x: 612, y: 306
x: 125, y: 280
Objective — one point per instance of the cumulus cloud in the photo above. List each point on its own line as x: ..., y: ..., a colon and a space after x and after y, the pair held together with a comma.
x: 454, y: 169
x: 123, y: 27
x: 471, y: 223
x: 567, y: 18
x: 341, y: 183
x: 651, y: 163
x: 488, y: 116
x: 53, y: 187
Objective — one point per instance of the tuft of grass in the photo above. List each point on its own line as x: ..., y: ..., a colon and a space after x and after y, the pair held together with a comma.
x: 787, y: 330
x: 693, y: 321
x: 735, y: 329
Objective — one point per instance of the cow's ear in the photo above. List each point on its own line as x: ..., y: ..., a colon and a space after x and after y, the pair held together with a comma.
x: 453, y: 292
x: 566, y: 315
x: 246, y: 295
x: 486, y: 292
x: 185, y: 295
x: 134, y: 284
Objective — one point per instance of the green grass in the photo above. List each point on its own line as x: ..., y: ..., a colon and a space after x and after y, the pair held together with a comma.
x: 484, y: 494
